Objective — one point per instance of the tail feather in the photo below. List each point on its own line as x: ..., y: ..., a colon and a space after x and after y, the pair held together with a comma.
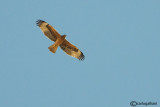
x: 53, y: 48
x: 59, y: 41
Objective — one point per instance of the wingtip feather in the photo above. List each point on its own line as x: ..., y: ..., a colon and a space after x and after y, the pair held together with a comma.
x: 81, y: 57
x: 39, y: 22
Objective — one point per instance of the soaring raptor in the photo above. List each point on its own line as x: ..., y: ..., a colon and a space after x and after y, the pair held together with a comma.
x: 59, y: 40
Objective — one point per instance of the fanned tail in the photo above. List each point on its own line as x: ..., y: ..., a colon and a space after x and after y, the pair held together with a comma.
x: 59, y: 41
x: 53, y: 48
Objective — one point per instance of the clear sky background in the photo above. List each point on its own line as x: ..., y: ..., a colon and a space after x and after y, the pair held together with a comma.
x: 119, y: 38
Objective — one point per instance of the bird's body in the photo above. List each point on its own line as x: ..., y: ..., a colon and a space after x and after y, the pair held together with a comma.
x: 59, y: 40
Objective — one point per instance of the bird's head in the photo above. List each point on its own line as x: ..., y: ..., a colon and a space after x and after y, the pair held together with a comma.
x: 64, y: 36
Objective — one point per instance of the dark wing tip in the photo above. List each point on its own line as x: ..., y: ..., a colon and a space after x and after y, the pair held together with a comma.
x: 81, y: 57
x: 39, y: 22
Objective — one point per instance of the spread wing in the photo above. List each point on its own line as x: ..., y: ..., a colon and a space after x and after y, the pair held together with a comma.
x: 72, y: 50
x: 48, y: 30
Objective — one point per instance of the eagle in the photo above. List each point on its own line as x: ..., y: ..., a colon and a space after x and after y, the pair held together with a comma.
x: 59, y: 40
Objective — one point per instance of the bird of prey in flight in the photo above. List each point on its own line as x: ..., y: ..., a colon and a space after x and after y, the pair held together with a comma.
x: 59, y: 40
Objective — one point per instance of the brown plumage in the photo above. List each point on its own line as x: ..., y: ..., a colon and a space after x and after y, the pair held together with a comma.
x: 59, y: 40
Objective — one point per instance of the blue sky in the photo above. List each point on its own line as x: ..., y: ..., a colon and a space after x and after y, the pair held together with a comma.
x: 119, y: 38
